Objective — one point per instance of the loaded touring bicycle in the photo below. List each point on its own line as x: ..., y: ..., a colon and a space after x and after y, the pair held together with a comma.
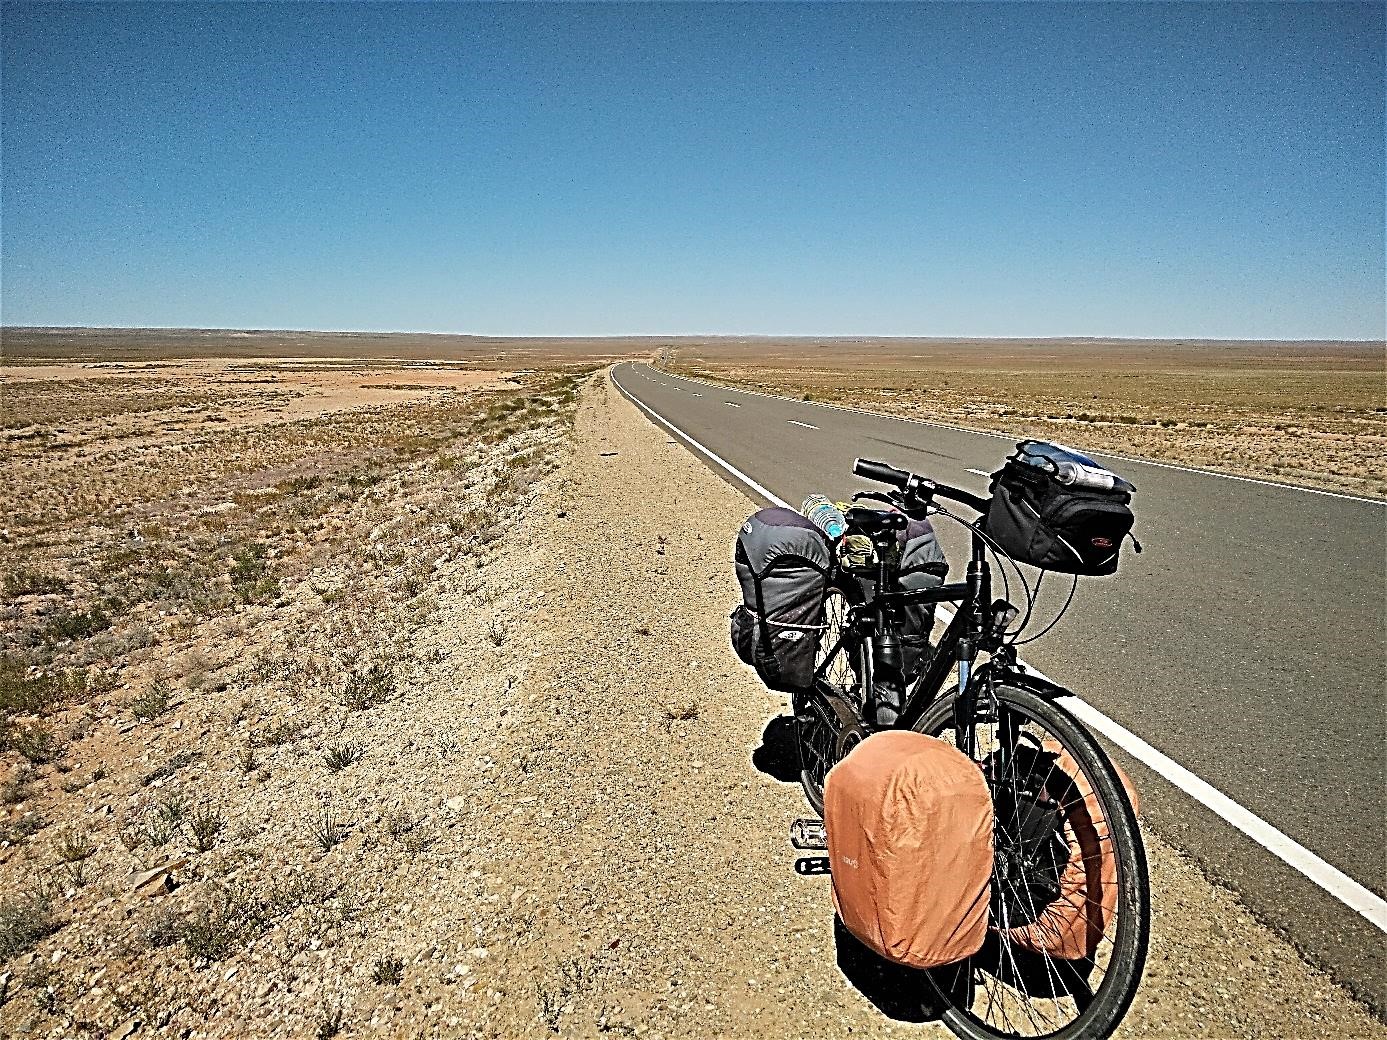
x: 842, y: 623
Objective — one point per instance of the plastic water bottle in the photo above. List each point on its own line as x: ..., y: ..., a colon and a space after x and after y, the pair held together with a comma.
x: 1084, y: 476
x: 824, y: 515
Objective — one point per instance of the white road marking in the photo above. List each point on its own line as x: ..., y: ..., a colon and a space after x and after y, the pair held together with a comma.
x: 731, y: 404
x: 695, y: 395
x: 1010, y: 437
x: 1288, y: 850
x: 796, y: 422
x: 980, y: 472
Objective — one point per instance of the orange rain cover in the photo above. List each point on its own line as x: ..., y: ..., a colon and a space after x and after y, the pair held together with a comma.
x: 909, y: 821
x: 1072, y: 927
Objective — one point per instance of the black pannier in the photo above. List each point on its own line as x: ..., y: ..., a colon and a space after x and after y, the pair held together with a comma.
x: 1057, y: 509
x: 784, y: 564
x: 922, y: 567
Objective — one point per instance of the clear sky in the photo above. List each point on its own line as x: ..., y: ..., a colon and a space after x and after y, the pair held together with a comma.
x: 1194, y: 169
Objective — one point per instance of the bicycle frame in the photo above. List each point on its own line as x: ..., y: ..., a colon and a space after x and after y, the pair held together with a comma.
x: 970, y: 631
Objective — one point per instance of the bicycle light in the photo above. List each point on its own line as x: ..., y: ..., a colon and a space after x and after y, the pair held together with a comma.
x: 1003, y: 614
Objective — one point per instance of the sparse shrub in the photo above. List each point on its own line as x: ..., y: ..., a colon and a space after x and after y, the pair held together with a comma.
x: 216, y: 928
x: 285, y: 732
x: 363, y: 690
x: 250, y: 577
x: 204, y: 826
x: 163, y: 928
x: 19, y: 787
x: 173, y: 765
x: 686, y: 713
x: 154, y: 702
x: 81, y: 624
x: 26, y: 918
x: 399, y: 823
x: 388, y: 971
x: 329, y: 1021
x: 328, y: 832
x: 36, y: 743
x: 340, y: 756
x: 75, y: 847
x: 32, y: 583
x: 496, y: 631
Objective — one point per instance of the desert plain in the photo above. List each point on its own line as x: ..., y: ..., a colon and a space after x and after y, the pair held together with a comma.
x: 379, y: 686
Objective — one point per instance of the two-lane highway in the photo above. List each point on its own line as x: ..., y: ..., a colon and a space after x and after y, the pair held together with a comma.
x: 1246, y: 643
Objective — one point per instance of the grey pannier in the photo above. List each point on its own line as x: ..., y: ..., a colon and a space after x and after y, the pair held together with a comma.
x: 922, y: 567
x: 783, y: 566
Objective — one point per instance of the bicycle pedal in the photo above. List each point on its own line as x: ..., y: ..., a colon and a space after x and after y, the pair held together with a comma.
x: 808, y: 835
x: 812, y: 866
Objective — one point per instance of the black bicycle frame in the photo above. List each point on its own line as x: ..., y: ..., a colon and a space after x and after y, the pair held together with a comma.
x: 967, y: 634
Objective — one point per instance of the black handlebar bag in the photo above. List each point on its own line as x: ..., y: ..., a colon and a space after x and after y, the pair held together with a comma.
x: 1067, y: 527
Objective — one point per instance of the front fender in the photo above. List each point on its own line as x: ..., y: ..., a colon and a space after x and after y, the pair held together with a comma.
x: 1017, y: 675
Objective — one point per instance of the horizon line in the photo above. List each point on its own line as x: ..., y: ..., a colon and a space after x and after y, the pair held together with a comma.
x: 689, y: 335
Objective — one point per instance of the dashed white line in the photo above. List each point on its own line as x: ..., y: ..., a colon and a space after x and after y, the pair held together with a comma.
x: 731, y: 404
x: 1288, y: 850
x: 980, y: 472
x: 796, y: 422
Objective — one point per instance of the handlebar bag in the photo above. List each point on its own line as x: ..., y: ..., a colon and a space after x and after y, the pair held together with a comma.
x: 909, y: 821
x: 922, y: 567
x: 1039, y: 521
x: 783, y: 564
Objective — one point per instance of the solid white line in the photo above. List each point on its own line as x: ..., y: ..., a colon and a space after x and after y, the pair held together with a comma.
x: 796, y: 422
x: 763, y: 492
x: 1010, y: 437
x: 1288, y: 850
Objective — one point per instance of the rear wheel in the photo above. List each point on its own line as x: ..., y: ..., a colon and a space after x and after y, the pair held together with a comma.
x: 1070, y: 903
x: 827, y: 722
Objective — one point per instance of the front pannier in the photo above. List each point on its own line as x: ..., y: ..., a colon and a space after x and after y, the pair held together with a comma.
x: 1071, y: 926
x: 1043, y: 512
x: 922, y: 567
x: 784, y: 564
x: 909, y: 823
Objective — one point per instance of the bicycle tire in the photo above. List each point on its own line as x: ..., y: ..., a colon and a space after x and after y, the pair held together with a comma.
x: 1100, y: 1011
x: 845, y: 592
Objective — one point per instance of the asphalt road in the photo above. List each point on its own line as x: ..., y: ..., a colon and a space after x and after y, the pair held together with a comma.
x: 1247, y: 642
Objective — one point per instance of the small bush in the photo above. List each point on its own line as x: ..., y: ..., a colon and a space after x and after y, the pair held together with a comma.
x: 388, y: 971
x: 204, y: 826
x: 82, y: 624
x: 26, y: 919
x: 327, y: 832
x: 340, y: 756
x: 75, y: 847
x: 32, y: 583
x: 36, y: 743
x: 329, y: 1021
x: 363, y: 690
x: 154, y: 702
x: 285, y: 732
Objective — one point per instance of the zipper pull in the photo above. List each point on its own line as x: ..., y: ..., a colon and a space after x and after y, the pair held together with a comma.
x: 1135, y: 544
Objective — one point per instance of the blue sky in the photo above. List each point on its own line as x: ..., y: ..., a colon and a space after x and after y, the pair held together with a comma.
x: 1031, y: 169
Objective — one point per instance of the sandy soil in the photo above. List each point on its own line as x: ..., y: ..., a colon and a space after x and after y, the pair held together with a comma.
x: 557, y: 824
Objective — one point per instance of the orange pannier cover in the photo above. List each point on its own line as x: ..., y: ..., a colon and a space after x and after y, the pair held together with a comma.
x: 1072, y: 927
x: 909, y: 822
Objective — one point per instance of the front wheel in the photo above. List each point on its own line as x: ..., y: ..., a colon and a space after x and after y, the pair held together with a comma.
x: 1070, y: 903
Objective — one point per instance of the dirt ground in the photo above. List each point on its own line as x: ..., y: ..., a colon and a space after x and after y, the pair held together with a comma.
x: 1304, y: 413
x: 561, y: 817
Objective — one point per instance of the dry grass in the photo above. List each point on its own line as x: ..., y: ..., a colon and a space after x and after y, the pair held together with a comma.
x: 1306, y: 413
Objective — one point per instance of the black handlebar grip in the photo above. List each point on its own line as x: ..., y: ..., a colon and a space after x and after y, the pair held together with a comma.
x: 881, y: 472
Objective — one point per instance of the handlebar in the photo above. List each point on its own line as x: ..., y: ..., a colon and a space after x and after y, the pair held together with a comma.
x: 920, y: 488
x: 881, y: 473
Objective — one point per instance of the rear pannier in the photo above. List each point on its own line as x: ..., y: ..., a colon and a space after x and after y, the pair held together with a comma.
x: 1056, y: 509
x: 784, y: 564
x: 909, y: 823
x: 922, y: 567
